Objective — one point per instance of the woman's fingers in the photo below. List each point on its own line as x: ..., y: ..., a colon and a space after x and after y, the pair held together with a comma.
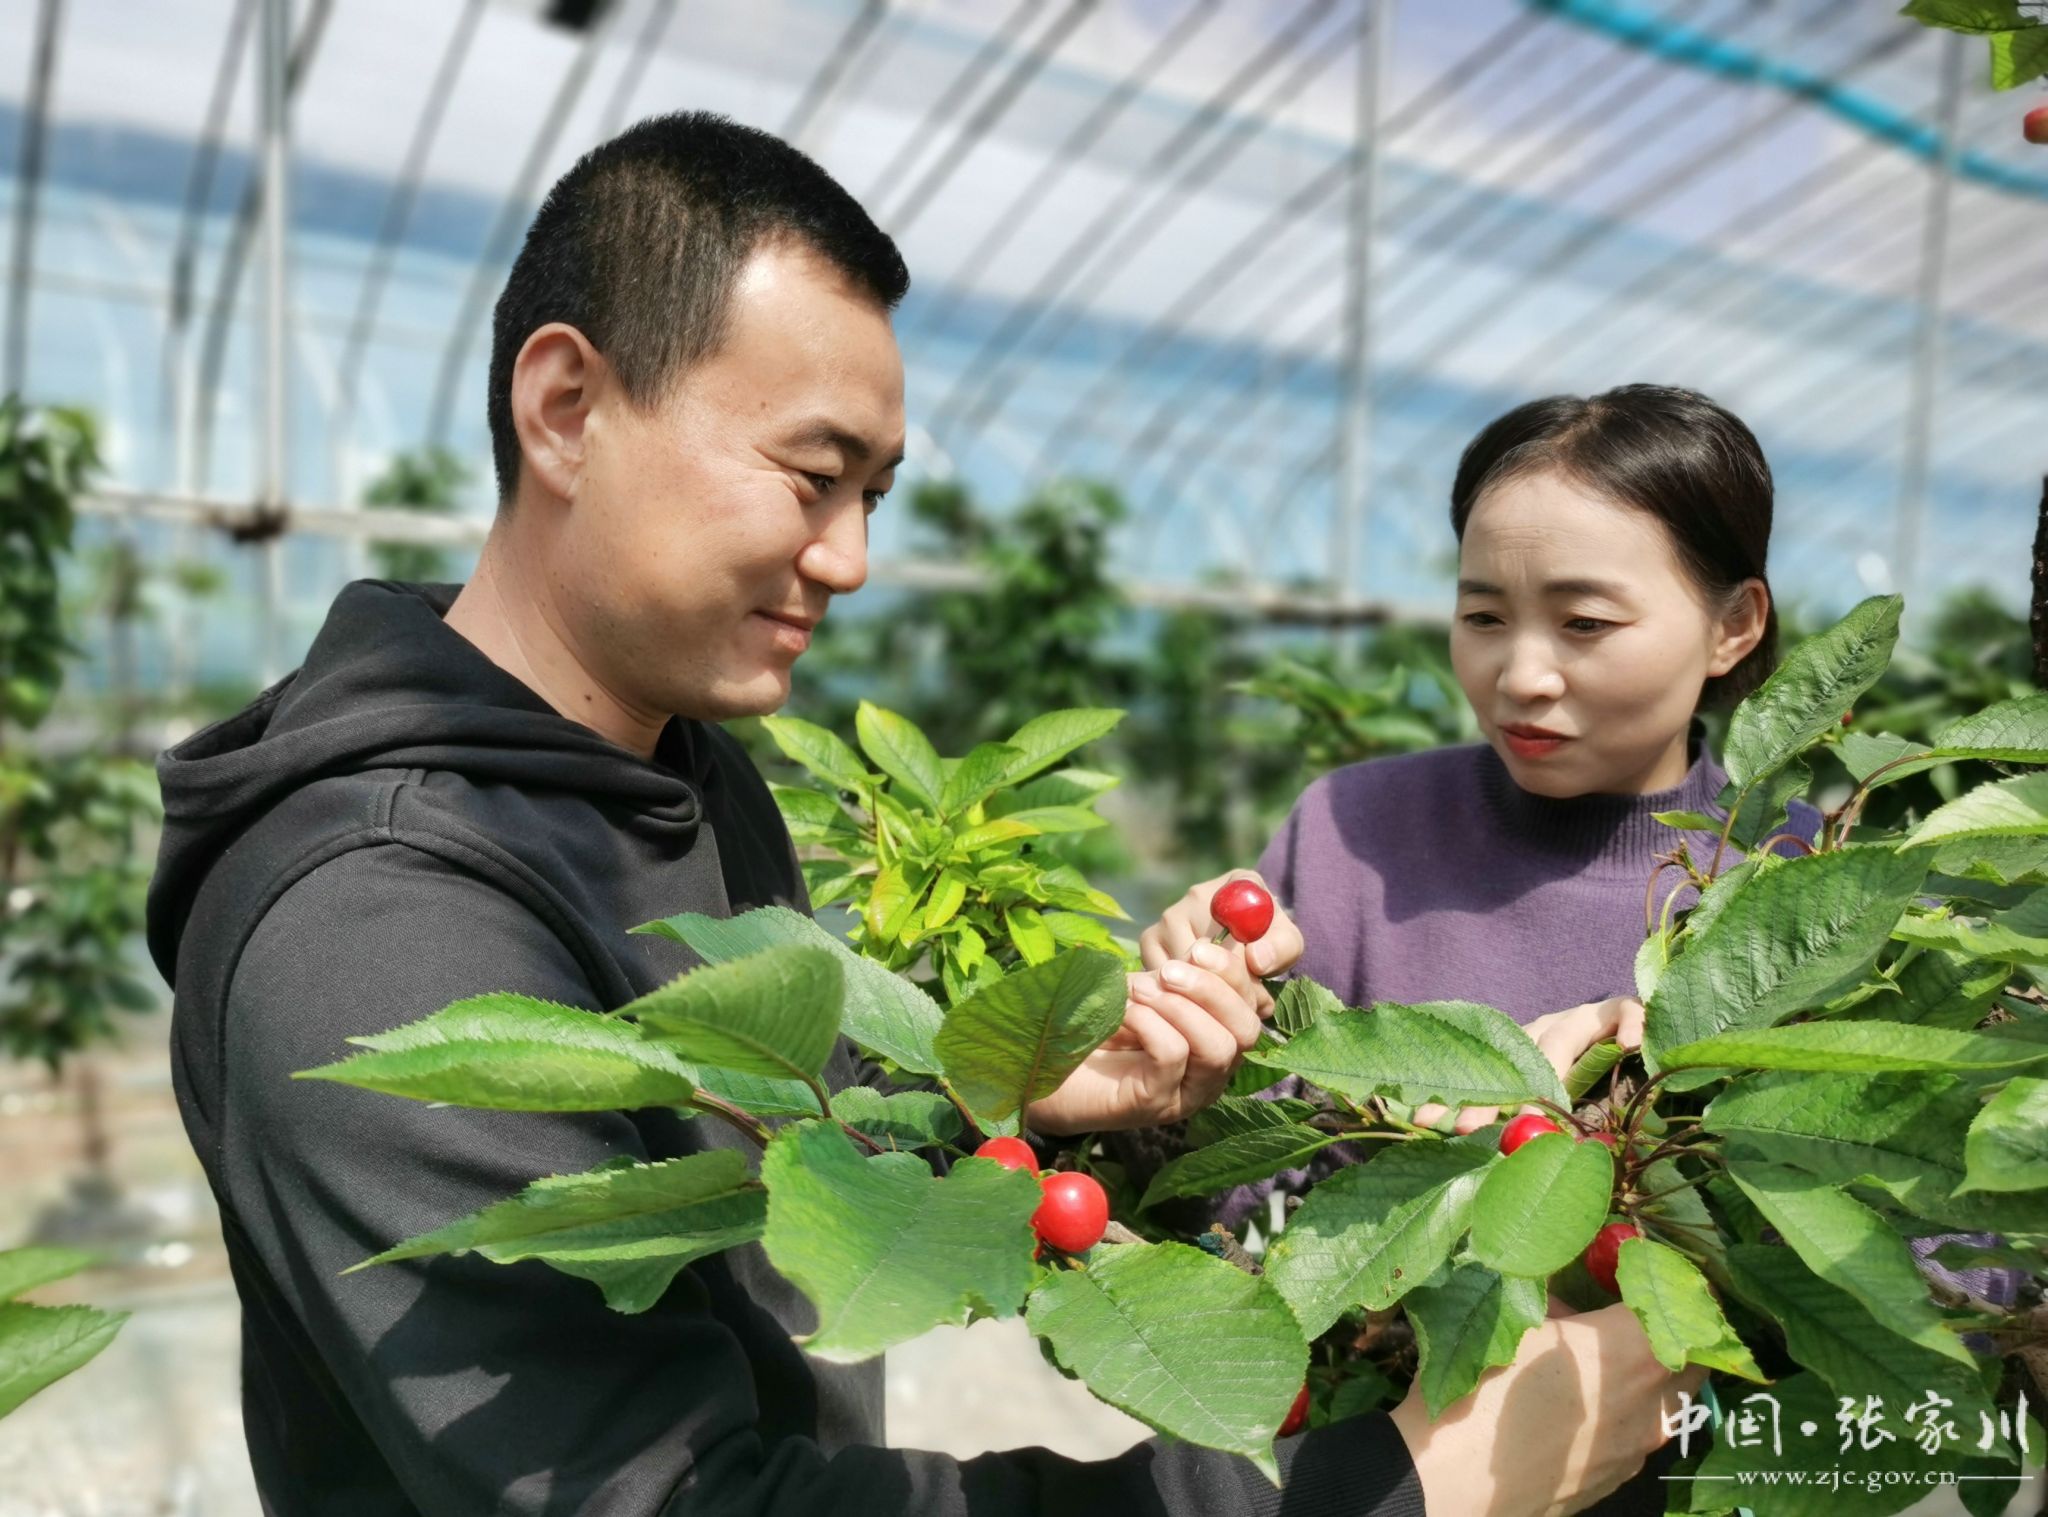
x: 1212, y: 1048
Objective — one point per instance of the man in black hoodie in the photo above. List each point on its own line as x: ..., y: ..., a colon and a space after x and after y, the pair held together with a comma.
x: 695, y: 402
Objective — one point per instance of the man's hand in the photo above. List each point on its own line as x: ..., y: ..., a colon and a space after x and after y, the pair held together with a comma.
x: 1187, y: 922
x: 1575, y: 1415
x: 1185, y: 1026
x: 1564, y: 1037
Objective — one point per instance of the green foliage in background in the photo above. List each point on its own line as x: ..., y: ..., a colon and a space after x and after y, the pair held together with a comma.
x: 2017, y: 31
x: 429, y: 482
x: 40, y: 1345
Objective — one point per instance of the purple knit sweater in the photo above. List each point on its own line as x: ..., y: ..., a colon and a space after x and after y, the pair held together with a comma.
x: 1434, y: 876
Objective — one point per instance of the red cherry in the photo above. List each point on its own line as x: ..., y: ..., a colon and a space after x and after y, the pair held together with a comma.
x: 1243, y: 908
x: 1523, y: 1128
x: 1848, y: 717
x: 1604, y: 1252
x: 1297, y: 1414
x: 1073, y: 1214
x: 2034, y: 126
x: 1603, y: 1137
x: 1011, y: 1153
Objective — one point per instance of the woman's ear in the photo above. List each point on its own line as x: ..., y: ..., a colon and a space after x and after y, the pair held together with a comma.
x: 554, y: 383
x: 1741, y: 627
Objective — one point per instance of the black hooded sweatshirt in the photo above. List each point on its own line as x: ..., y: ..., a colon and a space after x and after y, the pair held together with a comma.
x: 400, y: 824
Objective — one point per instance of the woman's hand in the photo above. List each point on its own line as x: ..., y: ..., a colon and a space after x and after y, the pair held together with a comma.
x: 1578, y: 1411
x: 1564, y: 1037
x: 1186, y: 924
x: 1185, y: 1027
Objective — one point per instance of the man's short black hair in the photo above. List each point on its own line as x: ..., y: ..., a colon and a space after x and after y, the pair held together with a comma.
x: 638, y: 245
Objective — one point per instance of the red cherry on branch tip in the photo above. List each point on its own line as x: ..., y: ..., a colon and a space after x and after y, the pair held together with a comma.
x: 2034, y: 125
x: 1297, y: 1414
x: 1243, y: 908
x: 1011, y: 1153
x: 1604, y: 1253
x: 1523, y: 1128
x: 1074, y: 1213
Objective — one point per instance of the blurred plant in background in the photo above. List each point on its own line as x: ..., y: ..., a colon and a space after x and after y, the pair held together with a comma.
x: 74, y: 823
x: 429, y: 482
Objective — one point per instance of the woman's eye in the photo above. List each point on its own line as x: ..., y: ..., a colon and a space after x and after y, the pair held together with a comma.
x: 1587, y: 624
x: 1480, y: 619
x: 874, y: 498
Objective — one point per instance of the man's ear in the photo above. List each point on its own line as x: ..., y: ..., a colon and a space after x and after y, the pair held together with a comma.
x: 1742, y: 627
x: 555, y: 380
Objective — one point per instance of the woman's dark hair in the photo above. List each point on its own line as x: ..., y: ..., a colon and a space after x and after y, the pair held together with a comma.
x: 1669, y: 452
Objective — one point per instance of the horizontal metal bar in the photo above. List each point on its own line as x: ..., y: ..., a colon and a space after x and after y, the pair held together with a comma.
x: 245, y: 522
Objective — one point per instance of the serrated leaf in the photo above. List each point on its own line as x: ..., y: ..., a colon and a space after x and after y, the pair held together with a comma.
x: 897, y: 748
x: 1047, y: 820
x: 1017, y: 1040
x: 814, y: 817
x: 949, y: 894
x: 775, y: 1013
x: 884, y: 1249
x: 1961, y: 1256
x: 976, y: 777
x: 1189, y: 1345
x: 1689, y: 821
x: 883, y: 1012
x: 1540, y: 1206
x: 1045, y: 740
x: 40, y: 1345
x: 510, y: 1052
x: 1591, y: 1068
x: 1678, y: 1311
x: 1937, y: 990
x: 2018, y: 57
x: 1982, y: 17
x: 1449, y: 1051
x: 1237, y: 1160
x: 989, y: 834
x: 1865, y: 753
x: 1864, y: 1048
x: 1472, y: 1322
x: 1028, y: 931
x: 905, y: 1118
x: 1372, y: 1232
x: 2003, y: 860
x: 1848, y: 1245
x: 819, y: 751
x: 1765, y: 808
x: 2007, y: 1148
x: 1302, y: 1003
x: 1063, y: 787
x: 1781, y: 943
x: 23, y: 1269
x: 1805, y: 697
x: 1900, y: 1133
x: 1233, y: 1115
x: 2011, y: 808
x: 1832, y: 1334
x: 1993, y: 939
x: 627, y: 1227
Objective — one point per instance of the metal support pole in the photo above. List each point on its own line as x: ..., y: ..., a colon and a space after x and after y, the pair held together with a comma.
x: 27, y: 180
x: 1920, y: 403
x: 272, y: 461
x: 1354, y: 416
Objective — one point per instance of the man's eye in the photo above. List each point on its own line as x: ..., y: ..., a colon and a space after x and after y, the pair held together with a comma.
x: 822, y: 483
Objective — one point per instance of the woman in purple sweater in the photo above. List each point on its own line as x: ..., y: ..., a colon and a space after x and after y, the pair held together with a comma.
x: 1610, y: 584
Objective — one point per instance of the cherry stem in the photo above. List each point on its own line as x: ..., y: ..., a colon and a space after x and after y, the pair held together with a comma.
x: 1783, y: 837
x: 1852, y: 812
x: 1639, y: 1100
x: 854, y: 1132
x: 745, y: 1121
x: 1727, y: 832
x: 961, y: 1107
x: 1650, y: 894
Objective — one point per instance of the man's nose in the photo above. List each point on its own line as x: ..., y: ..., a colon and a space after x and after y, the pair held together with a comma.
x: 837, y: 557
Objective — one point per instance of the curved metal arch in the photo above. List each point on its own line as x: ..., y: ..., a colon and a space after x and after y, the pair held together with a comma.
x: 28, y: 184
x: 234, y: 258
x: 839, y: 61
x: 661, y: 15
x: 1109, y: 235
x: 398, y: 210
x: 513, y: 212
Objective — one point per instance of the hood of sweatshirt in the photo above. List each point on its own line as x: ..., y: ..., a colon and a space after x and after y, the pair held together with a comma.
x: 388, y: 685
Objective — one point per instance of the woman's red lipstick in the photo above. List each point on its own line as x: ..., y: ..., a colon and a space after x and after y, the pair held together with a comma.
x: 1527, y: 742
